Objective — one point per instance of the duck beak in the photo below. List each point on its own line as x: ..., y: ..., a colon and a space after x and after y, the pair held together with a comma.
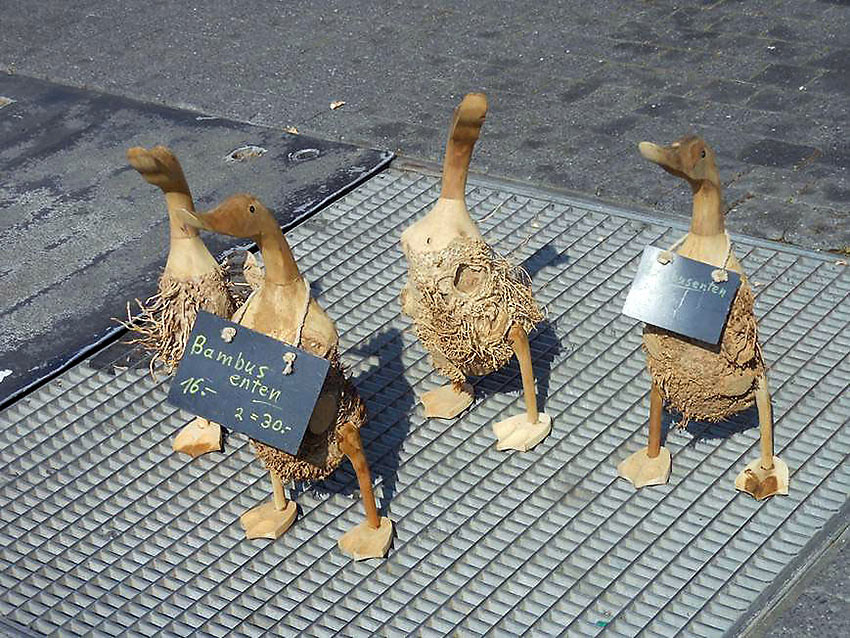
x: 193, y: 219
x: 226, y: 218
x: 667, y: 157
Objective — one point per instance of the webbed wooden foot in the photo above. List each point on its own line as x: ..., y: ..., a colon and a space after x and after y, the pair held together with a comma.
x: 267, y: 521
x: 198, y: 437
x: 517, y: 433
x: 272, y: 518
x: 761, y: 483
x: 523, y: 431
x: 642, y: 469
x: 651, y: 465
x: 365, y: 541
x: 768, y: 474
x: 372, y: 538
x: 446, y: 402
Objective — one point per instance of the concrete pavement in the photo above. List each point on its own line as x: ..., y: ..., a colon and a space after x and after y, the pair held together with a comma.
x: 573, y: 85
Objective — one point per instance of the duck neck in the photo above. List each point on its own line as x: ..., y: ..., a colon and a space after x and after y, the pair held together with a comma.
x: 459, y: 146
x: 452, y: 202
x: 707, y: 218
x: 455, y: 170
x: 187, y: 255
x: 280, y: 265
x: 176, y: 201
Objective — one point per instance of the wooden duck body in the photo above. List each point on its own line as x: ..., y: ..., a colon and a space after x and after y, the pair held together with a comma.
x: 699, y: 380
x: 277, y: 311
x: 283, y: 308
x: 471, y: 309
x: 463, y: 299
x: 702, y: 381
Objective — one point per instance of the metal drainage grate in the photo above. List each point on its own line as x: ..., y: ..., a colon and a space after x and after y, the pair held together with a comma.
x: 106, y: 530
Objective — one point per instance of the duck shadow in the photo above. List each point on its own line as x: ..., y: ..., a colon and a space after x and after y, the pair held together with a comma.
x: 706, y: 430
x: 316, y: 288
x: 544, y: 256
x: 389, y: 403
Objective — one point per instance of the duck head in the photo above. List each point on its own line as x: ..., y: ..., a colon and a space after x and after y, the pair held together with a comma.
x: 245, y: 216
x: 689, y: 158
x: 468, y: 118
x: 159, y: 167
x: 241, y: 215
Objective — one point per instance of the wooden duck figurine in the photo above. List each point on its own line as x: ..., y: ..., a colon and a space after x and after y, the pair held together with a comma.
x: 471, y: 309
x: 701, y: 381
x: 283, y: 308
x: 192, y: 280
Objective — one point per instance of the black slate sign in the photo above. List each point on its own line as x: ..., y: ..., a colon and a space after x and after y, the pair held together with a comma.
x: 240, y: 383
x: 681, y: 296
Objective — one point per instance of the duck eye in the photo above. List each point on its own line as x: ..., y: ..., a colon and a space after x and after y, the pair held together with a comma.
x: 703, y: 153
x: 253, y: 210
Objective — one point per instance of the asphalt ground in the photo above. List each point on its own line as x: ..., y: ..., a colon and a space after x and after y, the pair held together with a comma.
x: 573, y: 87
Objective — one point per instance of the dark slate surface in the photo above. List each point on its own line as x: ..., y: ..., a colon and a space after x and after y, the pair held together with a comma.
x: 240, y: 383
x: 681, y: 296
x: 81, y: 233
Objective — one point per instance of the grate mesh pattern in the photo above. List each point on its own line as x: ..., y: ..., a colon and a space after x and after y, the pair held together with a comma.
x: 104, y: 530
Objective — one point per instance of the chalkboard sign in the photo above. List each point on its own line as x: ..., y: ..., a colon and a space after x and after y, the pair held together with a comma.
x: 681, y: 296
x: 234, y: 376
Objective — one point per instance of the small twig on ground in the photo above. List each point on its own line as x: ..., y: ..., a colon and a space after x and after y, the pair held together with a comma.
x: 495, y: 210
x: 807, y: 160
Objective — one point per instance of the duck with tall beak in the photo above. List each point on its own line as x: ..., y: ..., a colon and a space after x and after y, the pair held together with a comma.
x: 283, y: 308
x: 192, y: 280
x: 698, y: 380
x: 471, y: 309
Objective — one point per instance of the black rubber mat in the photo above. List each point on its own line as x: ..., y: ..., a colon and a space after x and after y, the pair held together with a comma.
x: 81, y: 233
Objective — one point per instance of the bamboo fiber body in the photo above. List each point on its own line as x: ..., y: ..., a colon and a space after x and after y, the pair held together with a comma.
x: 463, y: 300
x: 708, y: 383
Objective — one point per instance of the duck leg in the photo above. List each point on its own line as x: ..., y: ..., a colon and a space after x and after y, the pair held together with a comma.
x: 523, y: 431
x: 372, y: 537
x: 197, y: 437
x: 651, y: 465
x: 272, y: 518
x: 768, y: 474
